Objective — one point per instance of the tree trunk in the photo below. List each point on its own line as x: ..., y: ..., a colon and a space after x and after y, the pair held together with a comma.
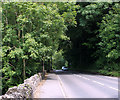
x: 24, y: 75
x: 6, y: 18
x: 43, y: 73
x: 51, y: 64
x: 19, y: 37
x: 43, y: 66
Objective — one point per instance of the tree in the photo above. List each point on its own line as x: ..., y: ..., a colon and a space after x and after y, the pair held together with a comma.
x: 109, y: 35
x: 31, y: 35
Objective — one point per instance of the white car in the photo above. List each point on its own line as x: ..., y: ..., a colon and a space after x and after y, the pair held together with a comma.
x: 64, y: 68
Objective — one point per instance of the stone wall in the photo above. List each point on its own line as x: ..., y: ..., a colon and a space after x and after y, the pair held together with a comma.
x: 24, y: 90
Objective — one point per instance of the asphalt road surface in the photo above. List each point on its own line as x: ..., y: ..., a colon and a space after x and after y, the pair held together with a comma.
x: 77, y: 85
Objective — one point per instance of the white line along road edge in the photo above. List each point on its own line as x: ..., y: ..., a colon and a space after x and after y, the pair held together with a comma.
x: 62, y: 87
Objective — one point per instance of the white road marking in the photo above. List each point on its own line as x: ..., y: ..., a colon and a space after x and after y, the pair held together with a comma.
x: 61, y: 87
x: 82, y: 77
x: 113, y: 88
x: 77, y: 75
x: 98, y: 83
x: 74, y: 74
x: 104, y: 76
x: 85, y: 78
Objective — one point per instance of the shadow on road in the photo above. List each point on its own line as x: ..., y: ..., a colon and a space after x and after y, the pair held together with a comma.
x: 49, y: 77
x: 60, y: 72
x: 64, y: 72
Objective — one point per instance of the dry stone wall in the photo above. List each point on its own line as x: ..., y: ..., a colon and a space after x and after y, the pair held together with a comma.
x: 24, y: 90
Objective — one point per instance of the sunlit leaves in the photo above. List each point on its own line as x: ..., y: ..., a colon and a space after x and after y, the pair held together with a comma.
x: 17, y: 52
x: 109, y: 34
x: 32, y: 34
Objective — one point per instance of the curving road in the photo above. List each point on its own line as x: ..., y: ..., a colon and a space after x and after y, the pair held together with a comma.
x: 89, y: 86
x: 77, y: 85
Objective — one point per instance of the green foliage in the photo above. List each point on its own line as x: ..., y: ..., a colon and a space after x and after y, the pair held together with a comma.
x: 109, y: 33
x: 56, y: 34
x: 94, y: 42
x: 31, y: 34
x: 58, y: 60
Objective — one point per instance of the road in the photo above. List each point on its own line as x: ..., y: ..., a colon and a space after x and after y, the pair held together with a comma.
x: 78, y: 85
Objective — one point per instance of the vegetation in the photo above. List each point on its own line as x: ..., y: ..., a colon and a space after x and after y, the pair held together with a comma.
x: 38, y: 36
x: 95, y: 41
x: 31, y: 35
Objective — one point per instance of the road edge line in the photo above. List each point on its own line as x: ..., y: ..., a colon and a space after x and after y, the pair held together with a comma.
x: 62, y: 88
